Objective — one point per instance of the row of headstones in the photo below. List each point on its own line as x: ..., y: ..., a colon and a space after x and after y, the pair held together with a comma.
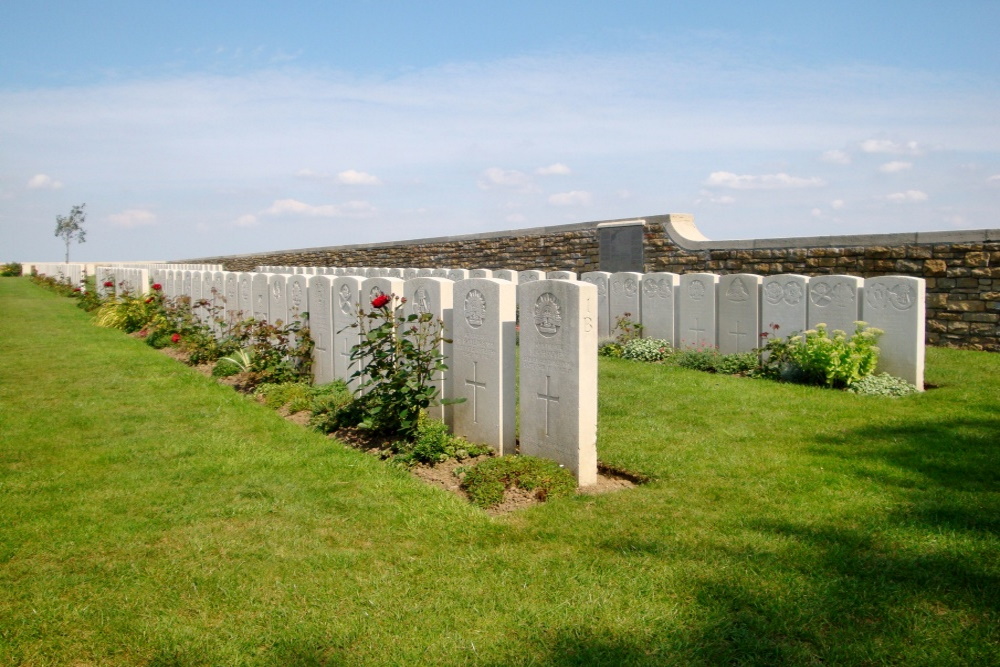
x: 738, y: 312
x: 732, y: 312
x: 409, y: 273
x: 558, y: 347
x: 117, y: 279
x: 153, y: 266
x: 72, y: 274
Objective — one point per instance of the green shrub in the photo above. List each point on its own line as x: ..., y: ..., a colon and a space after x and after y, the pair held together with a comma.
x: 486, y: 481
x: 10, y: 270
x: 698, y: 359
x: 399, y: 357
x: 328, y: 401
x: 646, y: 349
x: 432, y: 443
x: 609, y: 347
x: 882, y: 384
x: 626, y: 329
x: 741, y: 363
x: 295, y: 396
x: 835, y: 361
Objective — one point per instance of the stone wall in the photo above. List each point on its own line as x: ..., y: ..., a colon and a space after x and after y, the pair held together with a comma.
x: 962, y: 268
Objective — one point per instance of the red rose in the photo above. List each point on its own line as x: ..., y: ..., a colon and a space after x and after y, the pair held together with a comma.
x: 157, y: 286
x: 380, y: 301
x: 175, y: 338
x: 108, y: 283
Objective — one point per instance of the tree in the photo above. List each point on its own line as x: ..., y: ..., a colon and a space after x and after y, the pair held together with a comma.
x: 70, y: 227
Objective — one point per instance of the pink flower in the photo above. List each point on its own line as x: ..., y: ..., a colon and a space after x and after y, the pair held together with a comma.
x: 176, y: 338
x: 380, y: 301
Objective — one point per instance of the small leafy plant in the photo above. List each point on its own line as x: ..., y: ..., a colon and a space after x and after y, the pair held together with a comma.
x: 486, y: 481
x: 432, y: 443
x: 882, y: 384
x: 646, y: 349
x: 626, y: 329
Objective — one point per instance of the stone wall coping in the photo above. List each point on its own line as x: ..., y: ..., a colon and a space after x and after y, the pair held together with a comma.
x: 531, y: 231
x: 623, y: 223
x: 680, y: 228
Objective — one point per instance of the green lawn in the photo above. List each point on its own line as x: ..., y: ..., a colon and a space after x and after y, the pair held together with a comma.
x: 150, y: 516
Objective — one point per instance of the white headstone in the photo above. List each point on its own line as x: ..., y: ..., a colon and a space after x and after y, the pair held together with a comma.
x: 373, y: 287
x: 214, y: 292
x: 783, y: 305
x: 246, y: 294
x: 321, y: 327
x: 277, y: 300
x: 623, y: 299
x: 561, y: 275
x: 696, y: 311
x: 600, y: 280
x: 409, y: 274
x: 232, y: 296
x: 433, y: 296
x: 506, y: 274
x: 483, y: 362
x: 346, y: 297
x: 739, y: 313
x: 186, y: 287
x: 559, y: 374
x: 260, y: 297
x: 297, y: 289
x: 529, y: 275
x: 480, y: 273
x: 659, y: 312
x: 439, y: 272
x: 896, y: 305
x: 833, y: 300
x: 458, y: 274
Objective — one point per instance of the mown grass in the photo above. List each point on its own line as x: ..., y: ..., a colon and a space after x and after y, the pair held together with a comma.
x: 150, y: 516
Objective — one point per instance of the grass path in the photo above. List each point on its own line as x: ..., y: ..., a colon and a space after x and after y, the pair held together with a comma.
x: 150, y: 516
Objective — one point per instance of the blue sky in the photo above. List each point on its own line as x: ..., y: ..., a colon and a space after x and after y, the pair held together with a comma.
x: 203, y: 128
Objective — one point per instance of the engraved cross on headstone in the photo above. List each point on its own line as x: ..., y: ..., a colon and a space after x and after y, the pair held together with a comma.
x: 695, y: 330
x: 476, y: 386
x: 549, y: 399
x: 739, y: 336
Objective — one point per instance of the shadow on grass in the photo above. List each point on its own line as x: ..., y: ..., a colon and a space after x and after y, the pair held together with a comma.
x: 949, y: 470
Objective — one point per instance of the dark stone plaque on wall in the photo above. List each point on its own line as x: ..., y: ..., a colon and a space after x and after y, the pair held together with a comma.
x: 621, y: 247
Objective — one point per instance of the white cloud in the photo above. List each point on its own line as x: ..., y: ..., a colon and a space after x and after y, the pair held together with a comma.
x: 994, y: 179
x: 515, y: 218
x: 43, y: 182
x: 133, y: 217
x: 837, y: 204
x: 572, y: 198
x: 707, y: 197
x: 348, y: 177
x: 352, y: 209
x: 557, y: 169
x: 891, y: 147
x: 495, y: 177
x: 352, y: 177
x: 816, y: 213
x: 246, y: 221
x: 895, y: 167
x: 836, y: 157
x: 908, y: 196
x: 725, y: 179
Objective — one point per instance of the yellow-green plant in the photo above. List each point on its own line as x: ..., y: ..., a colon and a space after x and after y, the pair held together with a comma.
x: 835, y: 360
